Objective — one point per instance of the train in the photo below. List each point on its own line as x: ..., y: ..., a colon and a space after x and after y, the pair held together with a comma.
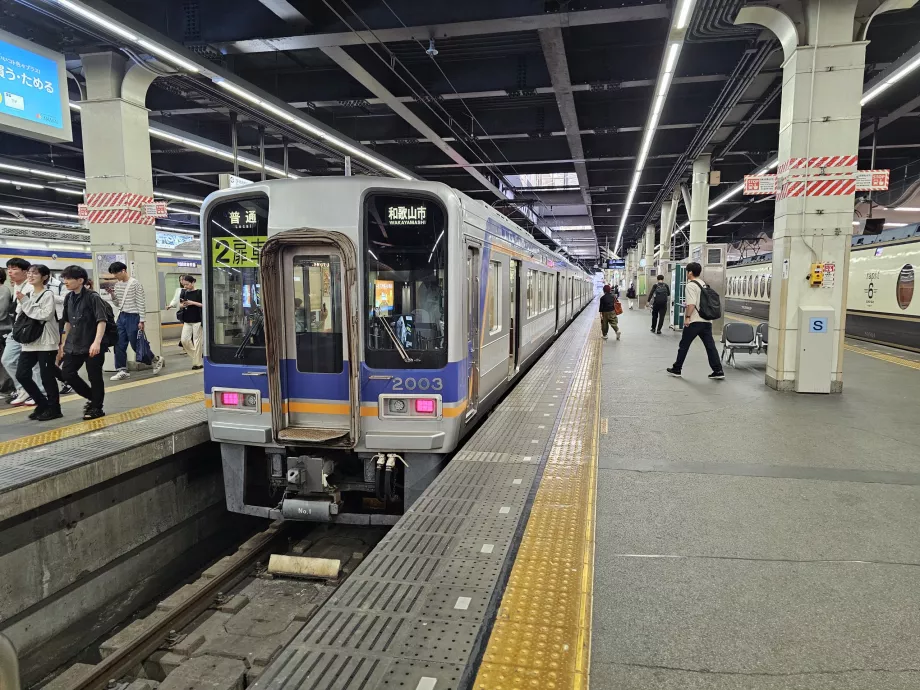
x: 880, y: 287
x: 182, y: 259
x: 357, y: 330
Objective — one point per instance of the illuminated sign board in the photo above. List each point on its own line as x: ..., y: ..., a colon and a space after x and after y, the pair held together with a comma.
x: 407, y: 215
x: 616, y: 263
x: 33, y: 91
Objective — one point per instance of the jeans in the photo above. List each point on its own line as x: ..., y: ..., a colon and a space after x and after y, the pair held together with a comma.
x: 609, y: 318
x: 127, y: 333
x: 11, y: 363
x: 95, y: 391
x: 658, y: 313
x: 703, y: 329
x: 26, y: 378
x: 191, y: 342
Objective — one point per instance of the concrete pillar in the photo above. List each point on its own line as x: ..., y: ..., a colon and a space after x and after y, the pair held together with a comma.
x: 649, y: 246
x: 116, y: 152
x: 667, y: 227
x: 823, y: 77
x: 699, y: 203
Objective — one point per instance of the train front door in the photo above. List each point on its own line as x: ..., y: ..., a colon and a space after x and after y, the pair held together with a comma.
x: 310, y: 329
x: 473, y: 307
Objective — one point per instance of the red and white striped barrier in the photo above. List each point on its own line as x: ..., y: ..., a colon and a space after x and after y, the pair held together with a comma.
x: 116, y: 207
x: 822, y: 187
x: 819, y: 162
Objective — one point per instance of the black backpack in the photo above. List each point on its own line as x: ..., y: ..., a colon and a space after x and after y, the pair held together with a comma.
x: 110, y: 339
x: 660, y: 294
x: 26, y: 329
x: 710, y: 302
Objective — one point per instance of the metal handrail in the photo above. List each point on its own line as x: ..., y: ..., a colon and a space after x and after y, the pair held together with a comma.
x: 9, y: 665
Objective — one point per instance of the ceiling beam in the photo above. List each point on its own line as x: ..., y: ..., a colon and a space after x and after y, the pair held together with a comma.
x: 903, y: 111
x: 558, y: 66
x: 350, y: 65
x: 473, y: 28
x: 286, y: 11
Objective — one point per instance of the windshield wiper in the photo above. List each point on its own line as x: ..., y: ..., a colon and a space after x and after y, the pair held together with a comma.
x: 399, y: 346
x: 257, y: 325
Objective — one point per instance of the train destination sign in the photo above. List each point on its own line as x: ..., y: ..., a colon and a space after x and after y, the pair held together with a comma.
x: 407, y: 215
x: 33, y: 91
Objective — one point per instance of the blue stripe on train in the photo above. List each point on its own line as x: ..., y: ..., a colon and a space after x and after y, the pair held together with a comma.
x: 450, y: 382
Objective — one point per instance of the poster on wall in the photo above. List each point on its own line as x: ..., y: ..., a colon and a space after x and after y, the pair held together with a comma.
x: 105, y: 281
x: 383, y: 296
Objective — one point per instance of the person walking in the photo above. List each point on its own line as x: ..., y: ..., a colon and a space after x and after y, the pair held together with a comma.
x: 696, y: 326
x: 7, y: 386
x: 16, y: 270
x: 39, y: 305
x: 84, y: 328
x: 658, y: 299
x: 189, y: 300
x: 608, y: 312
x: 128, y: 295
x: 631, y: 295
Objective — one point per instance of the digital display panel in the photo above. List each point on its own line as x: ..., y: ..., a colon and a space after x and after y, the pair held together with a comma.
x: 33, y: 91
x: 383, y: 296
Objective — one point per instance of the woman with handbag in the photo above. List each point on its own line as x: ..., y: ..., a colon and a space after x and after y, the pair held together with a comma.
x: 36, y: 329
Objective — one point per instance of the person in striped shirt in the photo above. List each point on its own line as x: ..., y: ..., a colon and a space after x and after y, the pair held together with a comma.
x: 128, y: 296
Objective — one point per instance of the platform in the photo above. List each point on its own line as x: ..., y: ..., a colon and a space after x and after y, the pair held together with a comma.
x: 745, y: 538
x: 147, y: 418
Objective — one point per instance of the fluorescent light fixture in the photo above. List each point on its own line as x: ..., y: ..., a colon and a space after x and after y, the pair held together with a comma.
x: 897, y: 76
x: 671, y: 60
x: 895, y: 225
x: 38, y: 211
x: 184, y: 211
x: 63, y: 190
x: 30, y: 185
x: 116, y: 29
x: 14, y: 168
x: 74, y: 106
x: 907, y: 209
x: 683, y: 14
x: 238, y: 91
x: 178, y: 197
x: 168, y: 56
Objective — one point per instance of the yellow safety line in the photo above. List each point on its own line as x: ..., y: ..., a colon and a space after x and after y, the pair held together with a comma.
x: 542, y: 632
x: 52, y: 435
x: 110, y: 389
x: 892, y: 359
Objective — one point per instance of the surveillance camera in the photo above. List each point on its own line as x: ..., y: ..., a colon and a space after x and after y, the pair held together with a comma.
x: 432, y: 51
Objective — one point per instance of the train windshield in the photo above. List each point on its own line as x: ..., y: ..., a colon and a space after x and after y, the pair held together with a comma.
x: 405, y: 255
x: 236, y: 232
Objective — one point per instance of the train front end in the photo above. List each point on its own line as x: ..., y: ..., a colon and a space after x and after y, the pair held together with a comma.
x: 328, y: 372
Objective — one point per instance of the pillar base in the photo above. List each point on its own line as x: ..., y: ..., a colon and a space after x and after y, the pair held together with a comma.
x: 788, y: 386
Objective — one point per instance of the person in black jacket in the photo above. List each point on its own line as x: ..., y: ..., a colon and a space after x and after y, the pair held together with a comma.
x: 631, y: 295
x: 608, y: 313
x: 658, y: 299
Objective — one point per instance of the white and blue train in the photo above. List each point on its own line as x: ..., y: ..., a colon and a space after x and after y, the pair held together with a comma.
x: 357, y: 330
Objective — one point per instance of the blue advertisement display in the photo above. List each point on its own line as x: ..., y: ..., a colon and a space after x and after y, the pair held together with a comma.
x: 29, y: 87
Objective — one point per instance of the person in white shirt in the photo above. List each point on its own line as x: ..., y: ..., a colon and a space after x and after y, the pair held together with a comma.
x: 696, y: 326
x: 16, y: 269
x: 39, y: 305
x: 128, y: 295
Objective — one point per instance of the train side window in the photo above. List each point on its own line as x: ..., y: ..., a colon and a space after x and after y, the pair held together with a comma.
x: 905, y: 286
x: 531, y: 304
x: 769, y: 285
x: 318, y: 314
x: 493, y: 303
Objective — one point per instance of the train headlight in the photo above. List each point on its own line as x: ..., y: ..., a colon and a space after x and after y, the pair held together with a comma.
x: 397, y: 405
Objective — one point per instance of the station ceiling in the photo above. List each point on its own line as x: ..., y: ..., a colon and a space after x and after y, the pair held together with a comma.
x: 545, y: 98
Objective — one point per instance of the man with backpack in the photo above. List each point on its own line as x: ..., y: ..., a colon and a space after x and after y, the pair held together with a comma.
x: 88, y: 333
x: 703, y: 307
x: 658, y: 299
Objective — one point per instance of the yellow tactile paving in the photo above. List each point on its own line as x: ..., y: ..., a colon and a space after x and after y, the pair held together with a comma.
x: 883, y: 356
x: 542, y: 633
x: 52, y: 435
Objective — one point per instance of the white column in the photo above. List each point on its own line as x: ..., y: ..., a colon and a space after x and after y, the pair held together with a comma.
x: 667, y: 226
x: 649, y: 247
x: 820, y: 116
x: 116, y: 152
x: 699, y: 203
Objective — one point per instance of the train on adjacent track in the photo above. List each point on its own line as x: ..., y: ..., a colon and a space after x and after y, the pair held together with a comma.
x: 358, y: 329
x: 880, y: 287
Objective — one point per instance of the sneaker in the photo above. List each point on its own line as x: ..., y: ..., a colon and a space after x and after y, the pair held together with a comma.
x: 604, y: 337
x: 93, y: 413
x: 49, y: 414
x: 652, y: 330
x: 717, y: 375
x: 200, y: 366
x: 120, y: 375
x: 618, y: 335
x: 66, y: 390
x: 658, y: 332
x: 158, y: 365
x: 29, y: 402
x: 674, y: 372
x: 20, y: 399
x: 36, y: 412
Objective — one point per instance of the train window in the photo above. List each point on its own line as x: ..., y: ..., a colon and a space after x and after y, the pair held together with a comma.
x: 236, y: 231
x: 318, y: 312
x: 905, y: 286
x: 763, y: 286
x: 171, y: 288
x: 405, y: 274
x: 769, y: 285
x: 493, y: 301
x: 531, y: 293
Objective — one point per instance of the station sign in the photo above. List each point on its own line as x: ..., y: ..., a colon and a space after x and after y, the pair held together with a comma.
x: 33, y: 91
x: 759, y: 184
x: 616, y: 263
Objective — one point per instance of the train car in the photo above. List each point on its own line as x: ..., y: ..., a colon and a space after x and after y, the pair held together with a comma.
x: 171, y: 264
x: 358, y: 328
x: 880, y: 288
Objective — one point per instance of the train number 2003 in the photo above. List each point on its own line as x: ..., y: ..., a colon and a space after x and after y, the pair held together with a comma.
x: 410, y: 384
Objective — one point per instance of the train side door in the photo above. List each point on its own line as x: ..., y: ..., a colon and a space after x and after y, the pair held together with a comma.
x: 473, y: 307
x: 514, y: 333
x: 558, y: 299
